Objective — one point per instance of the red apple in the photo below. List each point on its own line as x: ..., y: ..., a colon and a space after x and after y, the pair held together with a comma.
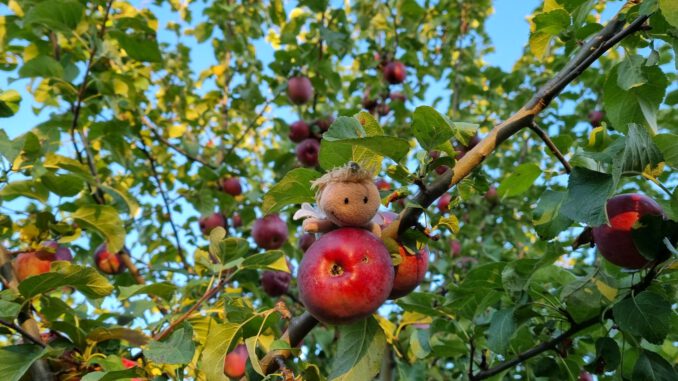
x: 394, y: 72
x: 596, y: 117
x: 129, y: 364
x: 383, y: 109
x: 455, y: 247
x: 444, y: 202
x: 275, y: 283
x: 107, y: 262
x: 382, y: 185
x: 299, y: 90
x: 210, y: 222
x: 235, y: 362
x: 442, y: 169
x: 368, y: 103
x: 491, y: 195
x: 324, y: 124
x: 397, y: 96
x: 60, y: 252
x: 472, y: 143
x: 231, y: 186
x: 614, y: 241
x: 307, y: 152
x: 345, y: 276
x: 305, y: 241
x: 31, y: 263
x: 409, y: 273
x: 236, y: 220
x: 299, y: 131
x: 434, y: 154
x: 585, y: 376
x: 270, y: 232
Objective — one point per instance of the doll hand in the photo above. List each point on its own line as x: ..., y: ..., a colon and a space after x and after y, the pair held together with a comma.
x: 315, y: 225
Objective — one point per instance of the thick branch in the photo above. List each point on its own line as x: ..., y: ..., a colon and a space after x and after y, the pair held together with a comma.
x: 549, y: 143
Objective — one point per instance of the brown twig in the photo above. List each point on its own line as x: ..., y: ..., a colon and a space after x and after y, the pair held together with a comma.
x: 320, y: 56
x: 146, y: 122
x: 549, y: 143
x: 252, y: 124
x: 23, y: 333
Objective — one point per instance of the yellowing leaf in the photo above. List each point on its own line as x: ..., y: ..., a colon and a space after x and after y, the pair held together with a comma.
x: 120, y: 87
x: 176, y: 131
x: 610, y: 293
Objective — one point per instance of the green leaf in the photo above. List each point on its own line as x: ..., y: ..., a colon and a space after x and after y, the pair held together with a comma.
x: 9, y: 310
x: 64, y: 15
x: 123, y: 200
x: 668, y: 145
x: 647, y: 315
x: 430, y: 127
x: 277, y: 12
x: 630, y: 73
x: 177, y: 349
x: 9, y: 103
x: 669, y: 10
x: 41, y: 66
x: 652, y: 367
x: 25, y: 188
x: 640, y: 154
x: 104, y: 220
x: 547, y: 219
x: 360, y: 351
x: 636, y: 105
x: 519, y: 180
x: 546, y: 26
x: 139, y: 46
x: 607, y: 353
x: 582, y: 299
x: 648, y: 235
x: 220, y: 338
x: 85, y: 279
x: 133, y: 336
x: 501, y: 329
x: 114, y: 375
x: 270, y: 260
x: 16, y: 359
x: 294, y: 188
x: 164, y: 290
x: 65, y: 185
x: 227, y: 249
x: 587, y: 194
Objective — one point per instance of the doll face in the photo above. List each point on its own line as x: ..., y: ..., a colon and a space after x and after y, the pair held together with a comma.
x: 350, y: 204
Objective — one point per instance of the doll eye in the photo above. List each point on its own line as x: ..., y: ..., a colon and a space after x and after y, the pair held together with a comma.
x: 346, y: 200
x: 365, y: 200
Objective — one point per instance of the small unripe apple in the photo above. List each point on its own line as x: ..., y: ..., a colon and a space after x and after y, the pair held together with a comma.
x: 299, y: 131
x: 492, y: 196
x: 444, y: 202
x: 107, y: 262
x: 307, y: 152
x: 409, y: 273
x: 455, y: 248
x: 615, y: 241
x: 305, y: 241
x: 299, y: 89
x: 397, y: 96
x: 210, y: 222
x: 382, y: 185
x: 231, y: 186
x: 236, y: 220
x: 275, y: 283
x: 394, y: 72
x: 270, y: 232
x: 235, y: 362
x: 596, y: 118
x: 345, y: 276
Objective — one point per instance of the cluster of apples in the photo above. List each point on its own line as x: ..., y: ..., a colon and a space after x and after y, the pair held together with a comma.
x: 393, y: 72
x: 232, y: 186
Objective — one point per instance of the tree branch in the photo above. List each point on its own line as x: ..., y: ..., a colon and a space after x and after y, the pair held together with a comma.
x: 23, y: 333
x: 146, y: 122
x: 252, y: 124
x: 549, y: 143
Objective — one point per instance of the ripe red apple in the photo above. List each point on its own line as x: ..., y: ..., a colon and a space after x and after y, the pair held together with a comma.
x: 299, y: 131
x: 442, y: 169
x: 382, y: 184
x: 129, y: 364
x: 368, y: 103
x: 236, y: 220
x: 210, y: 222
x: 596, y: 117
x: 307, y: 152
x: 409, y: 273
x: 231, y: 186
x: 270, y: 232
x: 444, y: 202
x: 305, y: 241
x: 324, y: 124
x: 235, y: 362
x: 614, y: 241
x: 383, y: 109
x: 585, y: 376
x: 107, y: 262
x: 275, y: 283
x: 299, y: 90
x: 394, y: 72
x: 455, y: 248
x: 397, y: 96
x: 345, y: 276
x: 31, y: 263
x: 60, y: 252
x: 434, y: 154
x: 491, y: 195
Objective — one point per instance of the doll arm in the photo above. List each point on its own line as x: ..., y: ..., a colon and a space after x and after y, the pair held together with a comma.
x: 316, y: 225
x: 374, y: 228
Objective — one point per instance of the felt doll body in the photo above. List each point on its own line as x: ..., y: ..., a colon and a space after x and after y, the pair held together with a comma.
x: 346, y: 197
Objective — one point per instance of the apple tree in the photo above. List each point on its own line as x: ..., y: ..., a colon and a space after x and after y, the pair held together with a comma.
x: 153, y: 155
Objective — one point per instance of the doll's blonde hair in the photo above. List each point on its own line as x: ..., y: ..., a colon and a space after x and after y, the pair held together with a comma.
x: 350, y: 173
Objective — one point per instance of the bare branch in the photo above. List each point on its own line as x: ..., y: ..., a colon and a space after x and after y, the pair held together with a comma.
x: 549, y: 143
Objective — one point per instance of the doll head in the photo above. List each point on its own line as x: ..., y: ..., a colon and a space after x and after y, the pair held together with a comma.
x: 348, y: 195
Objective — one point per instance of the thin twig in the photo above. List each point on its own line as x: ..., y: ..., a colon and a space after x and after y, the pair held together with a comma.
x: 320, y: 56
x: 23, y: 333
x: 252, y: 124
x: 549, y: 143
x: 145, y: 121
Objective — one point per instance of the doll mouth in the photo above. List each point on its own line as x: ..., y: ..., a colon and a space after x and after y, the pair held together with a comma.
x: 331, y: 212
